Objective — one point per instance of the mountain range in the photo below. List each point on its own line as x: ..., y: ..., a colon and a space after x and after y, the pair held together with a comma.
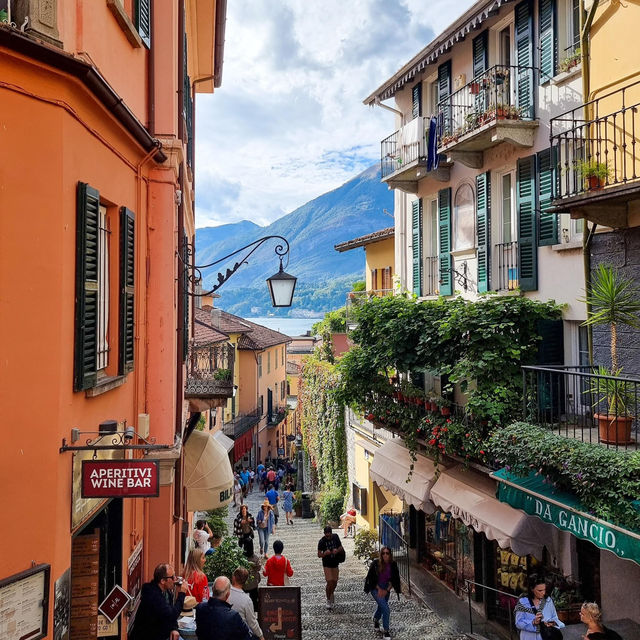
x: 324, y: 275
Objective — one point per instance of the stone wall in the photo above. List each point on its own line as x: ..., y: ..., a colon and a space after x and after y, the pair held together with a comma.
x: 621, y: 249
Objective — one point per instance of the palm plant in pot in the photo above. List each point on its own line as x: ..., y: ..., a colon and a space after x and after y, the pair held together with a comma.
x: 614, y: 300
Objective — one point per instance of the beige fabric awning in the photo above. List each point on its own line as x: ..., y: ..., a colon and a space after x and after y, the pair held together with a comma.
x: 390, y: 469
x: 207, y: 471
x: 471, y: 497
x: 224, y: 440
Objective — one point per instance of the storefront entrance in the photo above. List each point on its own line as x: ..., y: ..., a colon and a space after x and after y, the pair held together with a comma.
x: 589, y: 570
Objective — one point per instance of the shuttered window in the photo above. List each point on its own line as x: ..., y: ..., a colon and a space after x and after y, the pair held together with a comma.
x: 444, y: 254
x: 416, y: 244
x: 444, y: 92
x: 483, y: 219
x: 387, y: 279
x: 547, y: 39
x: 143, y: 20
x: 548, y: 226
x: 480, y: 54
x: 525, y: 203
x: 524, y: 58
x: 127, y: 283
x: 374, y: 279
x: 416, y: 100
x: 87, y: 267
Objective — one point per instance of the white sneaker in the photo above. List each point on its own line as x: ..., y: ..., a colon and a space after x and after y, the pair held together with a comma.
x: 329, y: 604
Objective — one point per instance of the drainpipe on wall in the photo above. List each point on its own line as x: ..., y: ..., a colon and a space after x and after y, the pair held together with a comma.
x: 587, y: 233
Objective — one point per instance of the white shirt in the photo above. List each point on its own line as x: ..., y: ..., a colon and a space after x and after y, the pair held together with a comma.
x: 202, y: 539
x: 241, y: 602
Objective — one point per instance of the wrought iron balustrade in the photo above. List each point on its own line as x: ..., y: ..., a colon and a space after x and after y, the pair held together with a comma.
x: 241, y: 423
x: 596, y: 144
x: 210, y: 370
x: 508, y: 266
x: 404, y: 146
x: 430, y: 276
x: 498, y: 94
x: 356, y: 299
x: 276, y: 417
x: 580, y: 403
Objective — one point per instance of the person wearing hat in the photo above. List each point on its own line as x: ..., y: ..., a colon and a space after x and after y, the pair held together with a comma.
x: 347, y: 520
x: 216, y: 620
x: 266, y: 523
x: 156, y: 618
x: 189, y: 607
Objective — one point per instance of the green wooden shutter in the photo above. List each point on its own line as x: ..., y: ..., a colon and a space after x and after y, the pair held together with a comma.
x: 143, y: 20
x: 483, y: 212
x: 547, y: 38
x: 524, y: 58
x: 444, y: 92
x: 527, y: 236
x: 444, y: 258
x: 86, y: 312
x: 480, y: 52
x: 127, y: 284
x: 548, y: 227
x: 416, y: 100
x: 416, y: 234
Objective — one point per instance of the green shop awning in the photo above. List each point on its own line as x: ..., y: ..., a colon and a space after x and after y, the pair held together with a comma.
x: 565, y: 512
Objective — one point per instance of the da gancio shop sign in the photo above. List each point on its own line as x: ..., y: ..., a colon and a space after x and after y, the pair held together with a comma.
x: 120, y: 479
x: 568, y: 517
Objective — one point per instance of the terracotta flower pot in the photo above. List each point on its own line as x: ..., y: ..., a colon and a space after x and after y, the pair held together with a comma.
x: 595, y: 183
x: 614, y: 429
x: 445, y: 411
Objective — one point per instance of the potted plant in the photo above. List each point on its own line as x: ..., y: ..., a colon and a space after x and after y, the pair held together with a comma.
x: 223, y: 375
x: 474, y: 88
x: 570, y: 61
x: 568, y: 602
x: 614, y: 300
x: 365, y: 545
x: 595, y: 174
x: 297, y: 503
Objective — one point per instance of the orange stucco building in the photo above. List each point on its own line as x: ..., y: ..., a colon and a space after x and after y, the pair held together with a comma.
x: 96, y: 202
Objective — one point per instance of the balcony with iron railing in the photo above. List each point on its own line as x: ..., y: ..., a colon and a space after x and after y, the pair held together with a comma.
x: 241, y: 423
x: 276, y: 416
x: 582, y: 404
x: 403, y: 156
x: 430, y: 276
x: 598, y: 153
x: 209, y: 380
x: 356, y: 299
x: 487, y: 111
x: 508, y: 266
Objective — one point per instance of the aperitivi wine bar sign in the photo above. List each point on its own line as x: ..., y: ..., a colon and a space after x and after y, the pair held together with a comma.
x: 120, y: 478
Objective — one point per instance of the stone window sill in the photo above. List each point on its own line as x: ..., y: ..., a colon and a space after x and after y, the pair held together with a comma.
x: 125, y: 23
x: 565, y: 76
x: 104, y: 385
x: 565, y: 246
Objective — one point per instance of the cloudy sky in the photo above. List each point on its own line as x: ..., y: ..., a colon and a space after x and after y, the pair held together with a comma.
x: 288, y: 123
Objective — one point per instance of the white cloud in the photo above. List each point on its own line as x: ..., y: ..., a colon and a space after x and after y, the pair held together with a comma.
x: 288, y: 123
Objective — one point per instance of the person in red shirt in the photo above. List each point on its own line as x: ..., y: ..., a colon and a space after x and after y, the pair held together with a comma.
x: 277, y: 566
x: 271, y: 475
x: 195, y: 576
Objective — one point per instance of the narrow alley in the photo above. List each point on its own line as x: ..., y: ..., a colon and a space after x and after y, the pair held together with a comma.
x: 352, y: 616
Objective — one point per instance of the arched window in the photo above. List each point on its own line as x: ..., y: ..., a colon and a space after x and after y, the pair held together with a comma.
x: 464, y: 219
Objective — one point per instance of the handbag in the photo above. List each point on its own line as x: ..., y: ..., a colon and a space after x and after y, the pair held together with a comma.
x: 341, y: 556
x: 550, y: 633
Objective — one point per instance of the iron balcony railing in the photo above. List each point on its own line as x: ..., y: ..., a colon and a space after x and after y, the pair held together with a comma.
x: 276, y: 416
x: 493, y: 96
x: 356, y: 299
x: 241, y: 423
x: 210, y: 370
x: 508, y: 266
x: 580, y: 403
x: 430, y: 276
x: 596, y: 144
x: 404, y: 146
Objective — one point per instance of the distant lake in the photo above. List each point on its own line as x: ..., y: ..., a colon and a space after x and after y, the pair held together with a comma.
x: 288, y: 326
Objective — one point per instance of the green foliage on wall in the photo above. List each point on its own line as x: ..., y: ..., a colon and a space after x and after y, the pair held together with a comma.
x: 322, y: 423
x: 607, y: 482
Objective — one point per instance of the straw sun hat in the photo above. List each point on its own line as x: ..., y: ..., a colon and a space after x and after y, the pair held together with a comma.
x: 189, y: 605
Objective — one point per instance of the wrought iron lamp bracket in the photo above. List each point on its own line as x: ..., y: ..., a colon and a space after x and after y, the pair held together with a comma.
x: 462, y: 278
x: 119, y: 441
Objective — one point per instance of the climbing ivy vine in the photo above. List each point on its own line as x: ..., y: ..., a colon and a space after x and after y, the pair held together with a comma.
x: 322, y: 423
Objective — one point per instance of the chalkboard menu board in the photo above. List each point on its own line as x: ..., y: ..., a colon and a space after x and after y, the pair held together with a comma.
x: 280, y: 614
x: 24, y: 604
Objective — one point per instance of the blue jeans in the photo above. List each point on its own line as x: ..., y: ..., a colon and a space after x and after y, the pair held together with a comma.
x: 383, y: 610
x: 263, y: 536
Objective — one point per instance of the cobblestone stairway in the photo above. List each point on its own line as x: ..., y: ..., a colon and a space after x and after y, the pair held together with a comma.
x: 352, y: 616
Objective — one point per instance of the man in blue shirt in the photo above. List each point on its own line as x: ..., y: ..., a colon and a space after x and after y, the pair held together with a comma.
x: 273, y: 498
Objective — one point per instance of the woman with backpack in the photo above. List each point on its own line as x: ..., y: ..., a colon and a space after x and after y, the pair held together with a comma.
x: 243, y: 525
x: 383, y: 574
x: 266, y: 522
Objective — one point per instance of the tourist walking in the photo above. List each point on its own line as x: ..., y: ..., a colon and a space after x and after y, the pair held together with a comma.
x: 383, y: 574
x: 331, y: 551
x: 535, y: 609
x: 216, y: 620
x: 287, y: 504
x: 241, y: 602
x: 237, y: 491
x: 255, y: 573
x: 243, y: 525
x: 277, y: 568
x: 591, y: 615
x: 194, y: 575
x: 266, y: 524
x: 202, y: 537
x: 273, y: 498
x: 157, y: 618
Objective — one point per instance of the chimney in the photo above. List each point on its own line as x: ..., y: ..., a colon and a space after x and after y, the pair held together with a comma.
x: 216, y: 315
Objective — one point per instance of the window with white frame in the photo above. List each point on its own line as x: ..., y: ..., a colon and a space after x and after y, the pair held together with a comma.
x: 508, y: 225
x: 464, y: 230
x: 433, y: 97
